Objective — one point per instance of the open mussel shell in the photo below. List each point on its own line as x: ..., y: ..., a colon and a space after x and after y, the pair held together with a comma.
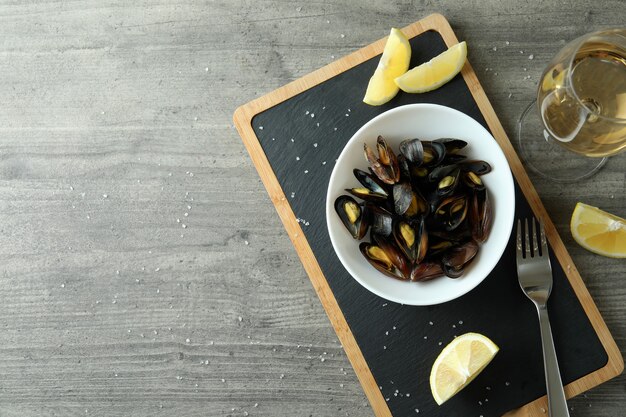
x: 352, y: 215
x: 383, y: 255
x: 372, y: 188
x: 385, y: 165
x: 455, y: 259
x: 412, y: 239
x: 481, y: 215
x: 426, y: 271
x: 413, y: 151
x: 452, y: 211
x: 434, y: 153
x: 473, y: 181
x: 448, y: 183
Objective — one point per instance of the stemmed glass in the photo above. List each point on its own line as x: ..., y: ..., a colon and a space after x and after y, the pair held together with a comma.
x: 580, y: 107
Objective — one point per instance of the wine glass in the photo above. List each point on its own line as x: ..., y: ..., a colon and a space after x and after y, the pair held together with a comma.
x: 580, y: 107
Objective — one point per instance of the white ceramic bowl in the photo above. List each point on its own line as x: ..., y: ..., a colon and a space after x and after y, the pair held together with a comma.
x: 423, y: 121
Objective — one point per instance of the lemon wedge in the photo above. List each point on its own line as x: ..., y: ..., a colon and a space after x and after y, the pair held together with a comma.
x: 598, y: 231
x: 436, y: 72
x: 459, y: 363
x: 393, y: 63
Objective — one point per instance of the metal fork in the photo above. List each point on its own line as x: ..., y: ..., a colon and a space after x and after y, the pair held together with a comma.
x: 535, y: 277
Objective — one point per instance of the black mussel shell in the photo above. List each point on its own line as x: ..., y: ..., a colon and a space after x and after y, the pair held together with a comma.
x: 453, y: 158
x: 381, y: 221
x: 448, y: 183
x: 473, y: 181
x: 383, y: 255
x: 452, y: 211
x: 452, y: 145
x: 452, y: 272
x: 458, y: 256
x: 352, y: 215
x: 426, y: 271
x: 407, y: 202
x: 481, y: 215
x: 437, y: 173
x: 439, y: 245
x: 413, y: 151
x: 412, y: 239
x: 434, y: 152
x: 372, y: 190
x: 476, y: 166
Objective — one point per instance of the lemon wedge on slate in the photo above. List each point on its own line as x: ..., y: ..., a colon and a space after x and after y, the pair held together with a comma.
x: 598, y: 231
x: 436, y: 72
x: 393, y: 63
x: 459, y: 363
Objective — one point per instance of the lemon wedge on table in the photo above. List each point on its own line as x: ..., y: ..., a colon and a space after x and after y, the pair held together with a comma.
x: 598, y: 231
x: 436, y: 72
x: 459, y: 363
x: 393, y: 63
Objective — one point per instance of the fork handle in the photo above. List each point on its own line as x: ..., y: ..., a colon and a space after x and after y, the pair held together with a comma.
x: 557, y: 405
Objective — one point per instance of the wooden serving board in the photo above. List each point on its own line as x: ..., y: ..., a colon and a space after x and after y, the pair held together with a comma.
x: 294, y: 135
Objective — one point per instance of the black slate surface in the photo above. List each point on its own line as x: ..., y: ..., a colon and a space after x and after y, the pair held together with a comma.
x: 302, y: 137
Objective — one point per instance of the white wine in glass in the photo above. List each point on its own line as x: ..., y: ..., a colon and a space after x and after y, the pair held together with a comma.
x: 581, y: 102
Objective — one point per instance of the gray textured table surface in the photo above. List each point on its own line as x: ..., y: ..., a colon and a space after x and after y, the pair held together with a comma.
x: 144, y: 269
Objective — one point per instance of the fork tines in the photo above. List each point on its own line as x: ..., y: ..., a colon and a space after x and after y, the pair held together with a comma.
x: 527, y: 248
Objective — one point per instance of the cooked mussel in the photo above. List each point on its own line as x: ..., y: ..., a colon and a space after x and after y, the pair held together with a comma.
x: 434, y: 152
x: 452, y: 145
x: 426, y: 271
x: 372, y: 188
x: 386, y: 257
x: 476, y: 166
x: 381, y: 220
x: 448, y: 183
x: 352, y: 215
x: 452, y: 211
x: 455, y: 259
x: 481, y: 215
x: 385, y: 165
x: 473, y: 181
x: 407, y: 202
x: 412, y: 239
x: 413, y: 151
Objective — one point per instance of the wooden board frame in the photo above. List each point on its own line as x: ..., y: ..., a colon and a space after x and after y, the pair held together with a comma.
x: 243, y: 122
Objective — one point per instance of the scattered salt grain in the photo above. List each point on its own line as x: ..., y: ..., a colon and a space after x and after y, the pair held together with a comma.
x: 531, y: 56
x: 260, y: 127
x: 495, y: 48
x: 187, y: 340
x: 292, y: 140
x: 431, y: 323
x: 297, y: 158
x: 157, y: 269
x: 246, y: 242
x: 507, y: 42
x: 306, y: 171
x: 417, y: 410
x: 240, y: 319
x: 507, y: 383
x: 312, y: 115
x: 343, y: 36
x: 206, y: 69
x: 323, y: 162
x: 62, y: 285
x: 334, y: 128
x: 307, y: 112
x: 186, y: 214
x: 385, y: 347
x: 105, y: 195
x: 184, y: 226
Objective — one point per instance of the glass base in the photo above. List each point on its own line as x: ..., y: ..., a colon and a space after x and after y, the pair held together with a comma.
x: 540, y: 152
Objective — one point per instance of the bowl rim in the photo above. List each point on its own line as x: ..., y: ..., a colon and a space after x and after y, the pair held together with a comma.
x: 509, y: 218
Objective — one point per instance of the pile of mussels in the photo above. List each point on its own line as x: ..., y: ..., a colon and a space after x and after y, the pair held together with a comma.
x: 427, y: 209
